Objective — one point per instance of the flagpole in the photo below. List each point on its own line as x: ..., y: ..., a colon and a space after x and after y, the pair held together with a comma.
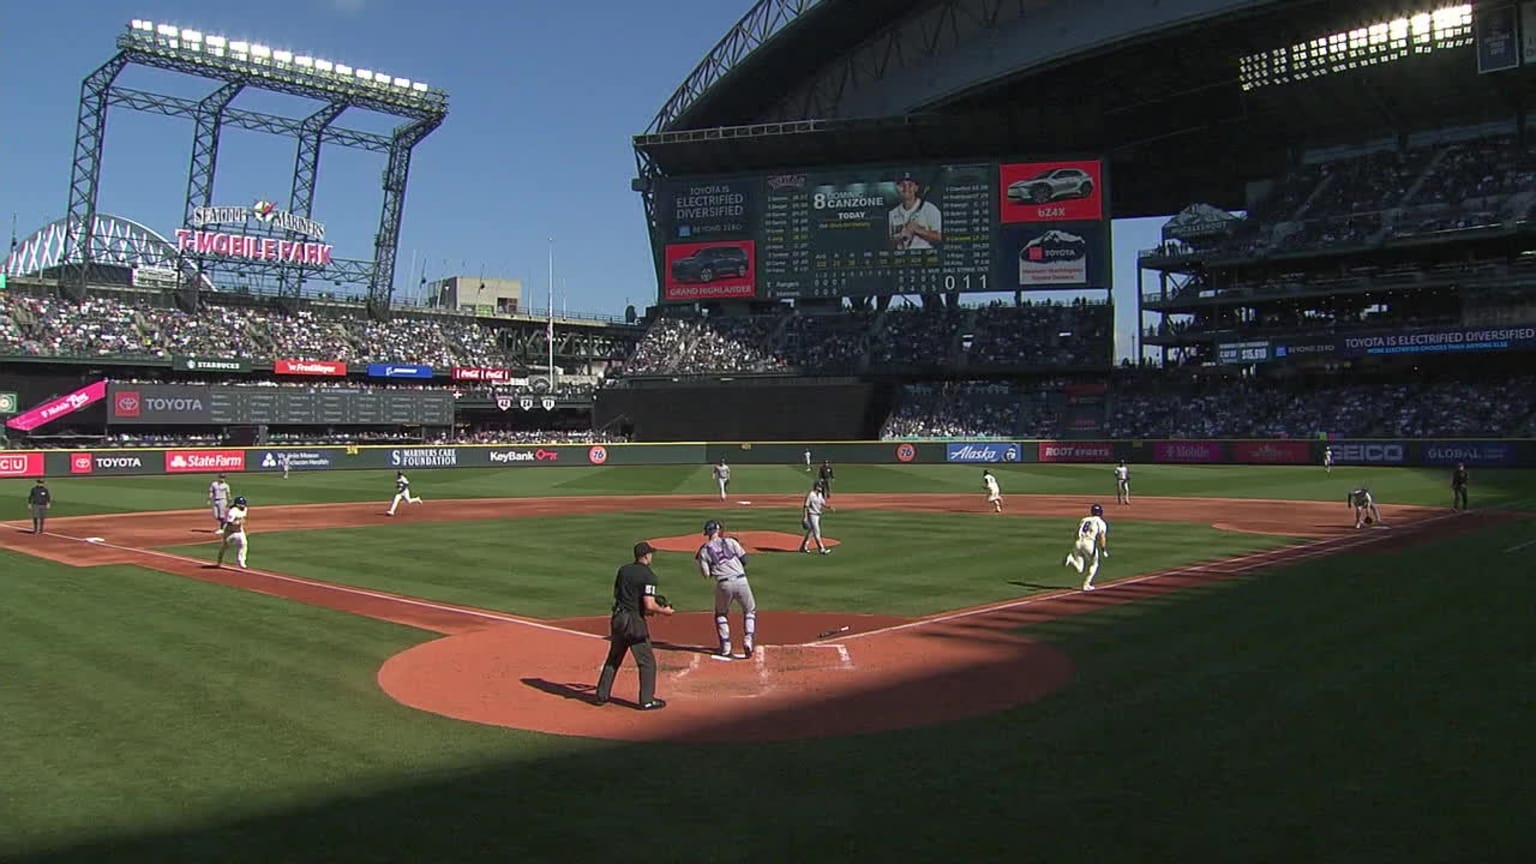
x: 549, y: 331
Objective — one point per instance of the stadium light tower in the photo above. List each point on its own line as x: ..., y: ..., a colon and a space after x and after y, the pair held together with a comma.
x: 240, y: 65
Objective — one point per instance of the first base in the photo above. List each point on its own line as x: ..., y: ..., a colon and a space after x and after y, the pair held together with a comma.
x: 745, y: 503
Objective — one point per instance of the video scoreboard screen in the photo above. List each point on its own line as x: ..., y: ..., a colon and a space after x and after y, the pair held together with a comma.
x: 885, y: 229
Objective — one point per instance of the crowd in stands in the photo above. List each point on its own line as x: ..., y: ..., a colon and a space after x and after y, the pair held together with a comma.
x: 335, y: 438
x: 971, y: 409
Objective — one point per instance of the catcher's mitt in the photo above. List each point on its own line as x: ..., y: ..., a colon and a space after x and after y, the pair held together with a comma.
x: 661, y: 600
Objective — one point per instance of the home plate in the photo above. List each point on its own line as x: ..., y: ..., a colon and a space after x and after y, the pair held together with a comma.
x: 95, y: 539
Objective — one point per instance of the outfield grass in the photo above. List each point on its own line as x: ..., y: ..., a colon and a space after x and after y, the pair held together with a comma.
x: 889, y: 562
x: 1360, y: 708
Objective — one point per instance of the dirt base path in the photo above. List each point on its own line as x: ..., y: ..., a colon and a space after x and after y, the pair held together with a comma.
x: 813, y: 675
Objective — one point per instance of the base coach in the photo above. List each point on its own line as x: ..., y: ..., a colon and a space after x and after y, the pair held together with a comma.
x: 634, y: 598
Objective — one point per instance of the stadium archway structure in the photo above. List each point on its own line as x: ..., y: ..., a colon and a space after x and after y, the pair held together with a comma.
x: 120, y: 247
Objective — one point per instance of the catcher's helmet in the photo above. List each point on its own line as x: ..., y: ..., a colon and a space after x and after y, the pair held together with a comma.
x: 1097, y: 509
x: 711, y: 527
x: 240, y: 501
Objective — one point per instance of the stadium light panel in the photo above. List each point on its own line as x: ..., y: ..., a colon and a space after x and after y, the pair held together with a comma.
x: 403, y: 82
x: 262, y: 51
x: 167, y: 30
x: 343, y: 69
x: 419, y: 87
x: 191, y: 36
x: 283, y: 56
x: 324, y: 65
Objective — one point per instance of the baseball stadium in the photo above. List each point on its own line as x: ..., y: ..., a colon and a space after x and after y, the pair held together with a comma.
x: 299, y: 569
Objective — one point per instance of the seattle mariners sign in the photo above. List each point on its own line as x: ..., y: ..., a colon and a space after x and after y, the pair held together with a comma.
x: 982, y: 451
x: 263, y: 212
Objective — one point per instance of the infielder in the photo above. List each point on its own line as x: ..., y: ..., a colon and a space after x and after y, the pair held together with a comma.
x: 1365, y: 507
x: 1122, y: 483
x: 722, y: 475
x: 810, y: 518
x: 1328, y: 459
x: 282, y: 459
x: 994, y: 495
x: 218, y: 496
x: 723, y: 559
x: 234, y: 532
x: 402, y: 492
x: 1092, y: 543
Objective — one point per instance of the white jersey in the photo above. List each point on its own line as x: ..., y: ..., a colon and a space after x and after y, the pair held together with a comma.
x: 991, y: 483
x: 218, y: 490
x: 1122, y: 474
x: 234, y: 521
x: 402, y: 484
x: 722, y: 472
x: 814, y: 502
x: 1090, y: 529
x: 923, y: 214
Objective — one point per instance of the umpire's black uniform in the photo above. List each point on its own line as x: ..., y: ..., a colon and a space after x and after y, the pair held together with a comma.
x: 39, y: 500
x: 825, y: 476
x: 1459, y: 488
x: 634, y: 589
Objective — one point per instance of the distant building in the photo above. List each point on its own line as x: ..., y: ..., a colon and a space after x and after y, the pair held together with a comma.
x: 482, y: 295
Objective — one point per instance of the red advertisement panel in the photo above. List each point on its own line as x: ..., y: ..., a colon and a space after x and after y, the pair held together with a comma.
x: 1076, y: 451
x: 1051, y: 191
x: 326, y: 368
x: 725, y: 269
x: 1272, y: 452
x: 1187, y: 451
x: 192, y: 461
x: 81, y: 463
x: 480, y: 373
x: 55, y: 408
x: 21, y: 464
x: 127, y: 403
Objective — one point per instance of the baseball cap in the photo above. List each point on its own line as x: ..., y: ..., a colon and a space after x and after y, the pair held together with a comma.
x: 907, y: 175
x: 643, y: 548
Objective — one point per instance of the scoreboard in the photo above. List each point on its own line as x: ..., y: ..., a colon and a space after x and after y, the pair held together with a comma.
x: 220, y: 405
x: 885, y: 229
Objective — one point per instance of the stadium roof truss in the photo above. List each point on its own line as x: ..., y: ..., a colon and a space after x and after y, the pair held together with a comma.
x: 237, y: 66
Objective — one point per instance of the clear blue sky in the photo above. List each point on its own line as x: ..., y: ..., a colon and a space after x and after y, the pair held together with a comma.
x: 545, y: 96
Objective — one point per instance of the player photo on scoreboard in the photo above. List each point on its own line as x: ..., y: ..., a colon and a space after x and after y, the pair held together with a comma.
x: 891, y: 209
x: 1046, y: 256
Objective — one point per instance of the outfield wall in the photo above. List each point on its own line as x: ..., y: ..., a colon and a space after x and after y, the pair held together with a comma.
x: 1485, y: 453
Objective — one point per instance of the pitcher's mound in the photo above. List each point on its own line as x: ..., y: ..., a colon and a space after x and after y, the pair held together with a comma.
x: 752, y: 541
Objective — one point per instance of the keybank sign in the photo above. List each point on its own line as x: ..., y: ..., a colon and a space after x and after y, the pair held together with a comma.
x: 981, y: 451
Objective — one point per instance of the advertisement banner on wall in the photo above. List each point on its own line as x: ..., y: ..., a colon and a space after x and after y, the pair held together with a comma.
x: 1272, y: 452
x: 9, y: 404
x: 211, y: 364
x: 503, y: 457
x: 86, y: 462
x: 324, y: 368
x: 298, y: 460
x: 981, y: 451
x: 1187, y: 451
x: 1369, y: 452
x: 160, y: 404
x: 424, y: 457
x: 398, y: 370
x: 1076, y: 451
x: 63, y: 406
x: 28, y: 464
x: 195, y: 461
x: 1488, y: 454
x: 479, y: 373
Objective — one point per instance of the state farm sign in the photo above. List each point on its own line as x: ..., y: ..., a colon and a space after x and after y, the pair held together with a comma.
x: 328, y: 368
x: 190, y: 461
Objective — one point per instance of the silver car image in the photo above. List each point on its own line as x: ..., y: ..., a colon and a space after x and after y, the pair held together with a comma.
x: 1051, y: 185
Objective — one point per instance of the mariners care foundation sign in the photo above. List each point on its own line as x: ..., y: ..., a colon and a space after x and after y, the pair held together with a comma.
x: 208, y: 234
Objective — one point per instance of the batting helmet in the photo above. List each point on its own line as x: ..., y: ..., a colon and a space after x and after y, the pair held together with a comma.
x: 240, y: 501
x: 1097, y: 509
x: 711, y: 527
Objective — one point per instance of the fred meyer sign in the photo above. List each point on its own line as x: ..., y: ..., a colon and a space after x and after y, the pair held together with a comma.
x: 211, y: 364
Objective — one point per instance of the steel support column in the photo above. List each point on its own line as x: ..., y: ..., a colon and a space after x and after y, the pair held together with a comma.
x: 205, y: 147
x: 85, y: 175
x: 381, y: 288
x: 306, y: 170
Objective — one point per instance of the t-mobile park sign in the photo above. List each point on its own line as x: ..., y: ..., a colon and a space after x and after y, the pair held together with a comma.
x: 198, y: 240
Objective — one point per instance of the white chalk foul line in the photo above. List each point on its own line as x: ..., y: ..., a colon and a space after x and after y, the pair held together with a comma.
x: 1518, y: 546
x: 347, y: 590
x: 1257, y: 560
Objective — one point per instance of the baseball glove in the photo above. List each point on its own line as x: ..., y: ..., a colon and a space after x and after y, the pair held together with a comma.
x: 661, y: 600
x: 1369, y: 520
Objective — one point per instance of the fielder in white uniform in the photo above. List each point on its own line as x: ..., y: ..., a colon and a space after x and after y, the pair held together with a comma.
x: 810, y: 518
x: 1122, y: 483
x: 218, y: 496
x: 402, y: 492
x: 807, y: 461
x: 283, y: 460
x: 234, y: 533
x: 1328, y: 459
x: 1092, y: 544
x: 722, y: 475
x: 994, y: 495
x: 1365, y: 507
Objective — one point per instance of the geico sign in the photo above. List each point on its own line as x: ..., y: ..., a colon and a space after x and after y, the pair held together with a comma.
x: 1369, y: 453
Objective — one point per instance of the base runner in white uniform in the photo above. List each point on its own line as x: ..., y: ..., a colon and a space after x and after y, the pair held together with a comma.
x: 1092, y: 543
x: 402, y: 492
x: 234, y: 533
x: 994, y: 495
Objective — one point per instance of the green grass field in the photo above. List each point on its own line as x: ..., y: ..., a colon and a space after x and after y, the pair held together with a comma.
x: 1336, y: 710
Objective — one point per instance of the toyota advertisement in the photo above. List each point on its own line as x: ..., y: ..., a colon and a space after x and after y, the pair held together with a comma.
x: 63, y: 406
x: 85, y: 462
x: 710, y: 271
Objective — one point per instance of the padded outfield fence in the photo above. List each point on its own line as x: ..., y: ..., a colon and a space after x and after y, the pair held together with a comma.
x: 84, y: 462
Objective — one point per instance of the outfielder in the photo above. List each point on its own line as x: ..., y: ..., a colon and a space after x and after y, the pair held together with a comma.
x: 218, y: 496
x: 402, y: 492
x: 810, y: 518
x: 723, y: 559
x: 994, y: 495
x: 1328, y: 459
x: 282, y: 459
x: 722, y: 475
x: 1092, y: 543
x: 234, y: 533
x: 807, y: 461
x: 1365, y: 507
x: 1122, y: 483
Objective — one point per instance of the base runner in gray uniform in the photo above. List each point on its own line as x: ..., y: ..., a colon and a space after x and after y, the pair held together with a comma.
x: 723, y: 559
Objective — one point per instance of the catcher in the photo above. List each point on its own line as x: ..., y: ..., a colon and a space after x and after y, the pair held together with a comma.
x: 634, y: 598
x: 1365, y: 507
